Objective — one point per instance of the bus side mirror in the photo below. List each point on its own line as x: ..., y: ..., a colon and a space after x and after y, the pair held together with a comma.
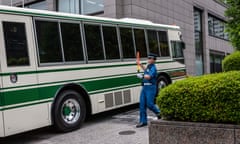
x: 183, y: 45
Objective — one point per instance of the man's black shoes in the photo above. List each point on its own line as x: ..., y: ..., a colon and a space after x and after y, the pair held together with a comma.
x: 141, y: 125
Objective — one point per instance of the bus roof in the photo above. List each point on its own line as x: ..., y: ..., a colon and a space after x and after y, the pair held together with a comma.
x: 69, y: 16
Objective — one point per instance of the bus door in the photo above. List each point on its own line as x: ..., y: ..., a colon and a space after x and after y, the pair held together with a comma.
x: 19, y: 94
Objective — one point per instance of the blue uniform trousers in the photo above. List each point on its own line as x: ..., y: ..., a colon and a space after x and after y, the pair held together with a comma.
x: 147, y: 101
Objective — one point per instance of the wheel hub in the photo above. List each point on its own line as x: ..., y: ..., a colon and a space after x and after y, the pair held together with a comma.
x: 161, y: 84
x: 66, y: 110
x: 70, y: 111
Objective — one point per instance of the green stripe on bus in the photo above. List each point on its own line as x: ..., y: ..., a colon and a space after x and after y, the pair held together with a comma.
x: 91, y: 78
x: 44, y: 90
x: 67, y: 81
x: 110, y: 83
x: 33, y: 94
x: 73, y: 69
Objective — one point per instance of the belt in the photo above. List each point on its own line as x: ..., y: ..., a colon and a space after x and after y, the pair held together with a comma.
x: 145, y: 84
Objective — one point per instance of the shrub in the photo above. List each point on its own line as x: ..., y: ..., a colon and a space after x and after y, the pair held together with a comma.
x: 209, y: 98
x: 231, y: 62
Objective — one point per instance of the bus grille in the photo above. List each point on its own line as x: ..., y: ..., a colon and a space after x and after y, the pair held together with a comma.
x: 117, y: 98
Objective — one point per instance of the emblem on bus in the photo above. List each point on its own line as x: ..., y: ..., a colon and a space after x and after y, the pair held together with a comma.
x: 13, y: 78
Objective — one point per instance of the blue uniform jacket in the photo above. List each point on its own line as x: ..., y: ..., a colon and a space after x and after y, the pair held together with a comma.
x: 152, y: 71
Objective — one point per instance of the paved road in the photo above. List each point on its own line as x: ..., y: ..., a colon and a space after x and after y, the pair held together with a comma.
x: 106, y: 128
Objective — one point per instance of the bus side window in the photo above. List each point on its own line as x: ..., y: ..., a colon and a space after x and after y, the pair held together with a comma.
x: 127, y: 42
x: 94, y: 42
x: 72, y: 42
x: 111, y: 42
x: 140, y: 42
x: 153, y: 42
x: 163, y: 40
x: 48, y: 39
x: 16, y: 44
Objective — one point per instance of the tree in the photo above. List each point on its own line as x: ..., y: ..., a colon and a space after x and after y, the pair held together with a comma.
x: 233, y: 23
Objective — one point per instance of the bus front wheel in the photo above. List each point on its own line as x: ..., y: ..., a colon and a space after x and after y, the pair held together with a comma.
x: 69, y: 111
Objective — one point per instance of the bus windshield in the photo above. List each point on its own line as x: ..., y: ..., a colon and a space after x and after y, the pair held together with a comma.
x: 177, y: 49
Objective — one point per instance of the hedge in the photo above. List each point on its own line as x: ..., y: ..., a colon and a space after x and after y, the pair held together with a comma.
x: 210, y: 98
x: 231, y: 62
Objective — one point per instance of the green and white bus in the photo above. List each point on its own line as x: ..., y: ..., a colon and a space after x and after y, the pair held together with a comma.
x: 57, y: 68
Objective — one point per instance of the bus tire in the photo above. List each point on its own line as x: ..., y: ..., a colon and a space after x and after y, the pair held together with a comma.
x: 162, y: 82
x: 69, y: 111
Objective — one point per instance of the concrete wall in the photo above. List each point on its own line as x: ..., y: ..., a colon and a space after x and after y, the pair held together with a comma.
x: 171, y: 132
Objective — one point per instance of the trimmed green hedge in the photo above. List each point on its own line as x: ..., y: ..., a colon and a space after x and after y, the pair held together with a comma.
x: 209, y: 98
x: 231, y: 62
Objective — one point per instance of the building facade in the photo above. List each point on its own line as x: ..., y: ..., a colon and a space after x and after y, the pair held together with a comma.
x: 202, y: 23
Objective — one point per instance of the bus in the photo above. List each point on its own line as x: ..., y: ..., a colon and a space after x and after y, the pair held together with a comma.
x: 57, y: 68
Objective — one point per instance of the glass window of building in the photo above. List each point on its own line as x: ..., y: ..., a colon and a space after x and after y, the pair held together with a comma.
x: 226, y: 37
x: 216, y: 61
x: 216, y: 27
x: 69, y: 6
x: 41, y: 5
x: 81, y: 6
x: 91, y: 6
x: 198, y: 41
x: 210, y: 25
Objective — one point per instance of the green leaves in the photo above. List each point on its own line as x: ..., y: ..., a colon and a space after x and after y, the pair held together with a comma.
x: 233, y: 23
x: 231, y: 62
x: 209, y: 98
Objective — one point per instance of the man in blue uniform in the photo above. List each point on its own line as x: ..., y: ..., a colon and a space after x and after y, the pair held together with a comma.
x: 149, y: 88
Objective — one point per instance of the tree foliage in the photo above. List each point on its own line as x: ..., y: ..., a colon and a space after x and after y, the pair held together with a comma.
x: 233, y: 23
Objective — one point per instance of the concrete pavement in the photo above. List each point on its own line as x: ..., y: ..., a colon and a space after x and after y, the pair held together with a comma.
x: 104, y: 129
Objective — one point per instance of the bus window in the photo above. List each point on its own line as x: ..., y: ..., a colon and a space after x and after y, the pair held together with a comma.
x: 127, y: 42
x: 15, y: 44
x: 72, y: 42
x: 153, y: 42
x: 163, y: 40
x: 177, y: 49
x: 94, y: 42
x: 111, y: 42
x: 48, y: 39
x: 140, y: 42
